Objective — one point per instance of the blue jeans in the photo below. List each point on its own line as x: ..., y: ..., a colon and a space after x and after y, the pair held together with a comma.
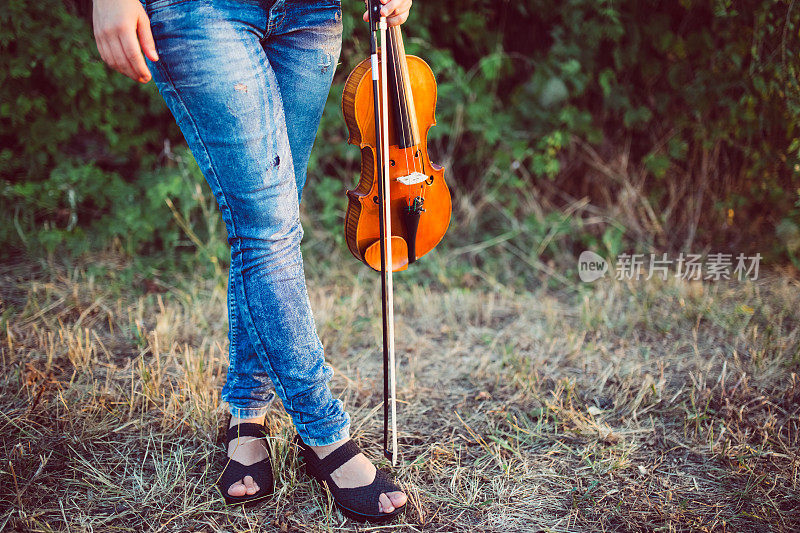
x: 247, y: 81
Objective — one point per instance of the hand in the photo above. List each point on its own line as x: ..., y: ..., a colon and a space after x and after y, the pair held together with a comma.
x: 395, y: 11
x: 122, y: 32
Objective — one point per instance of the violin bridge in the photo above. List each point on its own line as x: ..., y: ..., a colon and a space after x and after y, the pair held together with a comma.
x: 413, y: 178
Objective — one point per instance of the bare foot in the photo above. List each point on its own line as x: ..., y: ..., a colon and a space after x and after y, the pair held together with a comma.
x: 359, y: 472
x: 246, y: 450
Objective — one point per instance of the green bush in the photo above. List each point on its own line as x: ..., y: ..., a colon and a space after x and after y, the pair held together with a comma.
x: 79, y: 143
x: 701, y: 99
x: 694, y: 106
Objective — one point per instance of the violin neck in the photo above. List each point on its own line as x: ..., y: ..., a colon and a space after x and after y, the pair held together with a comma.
x: 406, y: 129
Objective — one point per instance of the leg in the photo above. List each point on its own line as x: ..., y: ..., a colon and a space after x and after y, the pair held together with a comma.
x: 217, y: 81
x: 303, y: 49
x: 248, y: 387
x: 185, y: 33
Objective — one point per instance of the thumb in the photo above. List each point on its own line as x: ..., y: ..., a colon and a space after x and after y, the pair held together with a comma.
x: 146, y: 40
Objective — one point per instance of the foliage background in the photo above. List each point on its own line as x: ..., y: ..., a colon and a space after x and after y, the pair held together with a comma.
x: 610, y: 125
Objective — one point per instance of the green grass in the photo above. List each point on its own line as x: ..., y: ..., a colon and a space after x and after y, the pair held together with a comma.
x: 635, y: 406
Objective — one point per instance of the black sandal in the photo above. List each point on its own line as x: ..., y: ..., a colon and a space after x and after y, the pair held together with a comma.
x: 234, y: 471
x: 360, y: 503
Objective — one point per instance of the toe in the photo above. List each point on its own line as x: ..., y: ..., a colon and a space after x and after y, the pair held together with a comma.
x: 385, y: 504
x: 397, y: 498
x: 250, y: 485
x: 237, y: 489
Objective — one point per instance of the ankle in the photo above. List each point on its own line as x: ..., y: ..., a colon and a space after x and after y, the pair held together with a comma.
x: 323, y: 451
x: 236, y: 420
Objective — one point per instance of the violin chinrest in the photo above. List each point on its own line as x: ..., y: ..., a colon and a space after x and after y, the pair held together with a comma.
x: 372, y: 255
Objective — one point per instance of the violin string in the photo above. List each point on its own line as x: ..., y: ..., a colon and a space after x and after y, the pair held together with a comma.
x: 408, y: 98
x: 397, y: 76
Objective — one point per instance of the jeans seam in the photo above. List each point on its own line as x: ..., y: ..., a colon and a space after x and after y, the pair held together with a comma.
x: 232, y: 322
x: 271, y: 26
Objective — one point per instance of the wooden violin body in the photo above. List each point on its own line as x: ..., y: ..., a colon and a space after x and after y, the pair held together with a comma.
x: 420, y: 202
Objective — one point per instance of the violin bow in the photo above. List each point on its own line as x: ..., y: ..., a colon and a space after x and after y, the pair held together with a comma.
x: 378, y: 26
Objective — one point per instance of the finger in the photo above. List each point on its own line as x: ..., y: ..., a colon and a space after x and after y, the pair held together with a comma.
x: 98, y: 38
x: 133, y: 53
x: 397, y: 20
x: 146, y: 37
x: 130, y: 47
x: 101, y: 40
x: 365, y: 16
x: 101, y: 49
x: 396, y: 7
x: 116, y: 57
x: 123, y: 63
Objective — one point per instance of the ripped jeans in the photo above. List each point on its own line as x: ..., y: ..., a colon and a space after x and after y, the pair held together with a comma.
x: 247, y: 81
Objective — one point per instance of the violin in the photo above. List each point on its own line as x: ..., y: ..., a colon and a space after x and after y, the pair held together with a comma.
x: 420, y: 203
x: 400, y: 209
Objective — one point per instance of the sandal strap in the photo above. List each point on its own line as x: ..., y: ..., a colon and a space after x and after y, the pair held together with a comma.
x: 261, y: 472
x: 309, y: 457
x: 359, y: 502
x: 364, y: 499
x: 246, y: 429
x: 327, y: 466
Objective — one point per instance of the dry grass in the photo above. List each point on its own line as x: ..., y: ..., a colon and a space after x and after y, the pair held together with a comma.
x: 634, y: 406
